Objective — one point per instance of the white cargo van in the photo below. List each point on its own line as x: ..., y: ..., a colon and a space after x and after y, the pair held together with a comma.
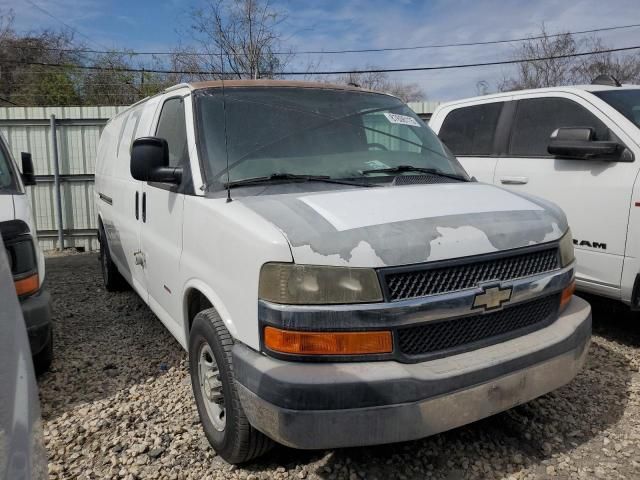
x: 334, y: 274
x: 26, y: 261
x: 578, y: 147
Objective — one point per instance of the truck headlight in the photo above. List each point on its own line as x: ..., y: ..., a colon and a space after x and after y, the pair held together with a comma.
x: 315, y: 285
x: 566, y: 249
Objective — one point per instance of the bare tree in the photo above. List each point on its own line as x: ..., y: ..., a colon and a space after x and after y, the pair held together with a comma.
x: 625, y: 68
x: 570, y: 69
x: 380, y: 81
x: 544, y: 73
x: 238, y: 37
x: 23, y: 80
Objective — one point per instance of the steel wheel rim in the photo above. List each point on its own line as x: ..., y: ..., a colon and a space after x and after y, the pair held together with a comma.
x: 211, y: 387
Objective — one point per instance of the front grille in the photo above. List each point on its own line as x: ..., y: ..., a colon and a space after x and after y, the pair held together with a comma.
x: 440, y: 338
x: 431, y: 281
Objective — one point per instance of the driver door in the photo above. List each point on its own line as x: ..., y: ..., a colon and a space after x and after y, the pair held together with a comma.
x: 162, y: 216
x: 594, y: 194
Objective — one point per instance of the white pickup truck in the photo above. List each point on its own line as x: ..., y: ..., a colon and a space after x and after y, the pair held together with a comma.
x: 578, y: 147
x: 334, y: 274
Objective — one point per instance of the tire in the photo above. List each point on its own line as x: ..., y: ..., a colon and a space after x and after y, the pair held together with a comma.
x: 113, y: 280
x: 233, y: 438
x: 42, y: 360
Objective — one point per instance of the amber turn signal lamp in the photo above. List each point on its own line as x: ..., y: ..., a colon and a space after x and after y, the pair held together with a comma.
x: 327, y: 343
x: 27, y: 285
x: 567, y: 293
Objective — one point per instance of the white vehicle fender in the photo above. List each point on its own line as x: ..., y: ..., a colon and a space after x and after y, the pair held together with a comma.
x: 213, y: 298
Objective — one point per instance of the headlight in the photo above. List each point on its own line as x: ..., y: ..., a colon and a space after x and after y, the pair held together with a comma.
x: 314, y: 284
x: 566, y: 249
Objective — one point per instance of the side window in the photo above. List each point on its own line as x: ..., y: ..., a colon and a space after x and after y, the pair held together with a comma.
x: 470, y: 130
x: 173, y: 129
x: 537, y: 118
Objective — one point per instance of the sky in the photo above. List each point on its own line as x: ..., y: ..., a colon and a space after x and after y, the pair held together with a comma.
x: 146, y: 25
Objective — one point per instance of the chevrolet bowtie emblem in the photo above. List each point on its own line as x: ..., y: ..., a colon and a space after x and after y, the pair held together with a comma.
x: 491, y: 298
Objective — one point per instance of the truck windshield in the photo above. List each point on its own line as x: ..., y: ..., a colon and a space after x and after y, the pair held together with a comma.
x: 627, y: 102
x: 7, y: 181
x: 339, y: 134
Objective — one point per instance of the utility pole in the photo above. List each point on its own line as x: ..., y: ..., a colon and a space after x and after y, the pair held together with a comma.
x: 56, y: 178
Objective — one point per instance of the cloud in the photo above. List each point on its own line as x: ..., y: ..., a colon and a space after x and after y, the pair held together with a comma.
x: 72, y: 12
x: 377, y: 23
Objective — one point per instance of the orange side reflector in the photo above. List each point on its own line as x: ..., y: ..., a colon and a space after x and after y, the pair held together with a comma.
x: 27, y: 285
x: 327, y: 343
x: 567, y: 293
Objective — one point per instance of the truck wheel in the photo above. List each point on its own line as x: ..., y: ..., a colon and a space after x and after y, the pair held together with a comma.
x: 223, y: 419
x: 42, y: 360
x: 113, y: 280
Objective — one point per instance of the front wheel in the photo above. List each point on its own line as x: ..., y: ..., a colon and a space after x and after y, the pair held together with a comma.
x: 223, y: 419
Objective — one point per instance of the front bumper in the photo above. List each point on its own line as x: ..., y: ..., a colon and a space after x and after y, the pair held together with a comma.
x: 36, y: 311
x: 331, y: 405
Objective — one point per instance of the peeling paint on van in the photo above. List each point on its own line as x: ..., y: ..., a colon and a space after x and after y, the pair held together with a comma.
x: 330, y: 233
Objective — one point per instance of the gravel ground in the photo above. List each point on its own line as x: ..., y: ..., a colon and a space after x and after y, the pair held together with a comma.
x: 118, y: 404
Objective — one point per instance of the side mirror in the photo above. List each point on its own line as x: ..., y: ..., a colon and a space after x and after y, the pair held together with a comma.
x: 150, y: 161
x: 578, y: 143
x: 28, y: 177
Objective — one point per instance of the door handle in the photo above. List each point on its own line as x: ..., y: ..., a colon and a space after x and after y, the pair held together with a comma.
x: 514, y: 180
x: 137, y: 206
x: 144, y: 206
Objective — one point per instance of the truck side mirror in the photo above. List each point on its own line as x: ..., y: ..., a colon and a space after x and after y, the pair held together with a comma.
x: 578, y: 143
x: 150, y: 161
x: 28, y: 177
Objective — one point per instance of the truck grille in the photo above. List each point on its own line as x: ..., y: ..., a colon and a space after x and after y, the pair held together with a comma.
x: 427, y: 280
x: 440, y: 338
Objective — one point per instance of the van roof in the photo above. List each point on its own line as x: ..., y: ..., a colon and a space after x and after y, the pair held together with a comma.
x: 253, y: 83
x: 270, y: 83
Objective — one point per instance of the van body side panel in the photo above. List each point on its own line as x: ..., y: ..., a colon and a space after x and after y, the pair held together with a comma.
x: 118, y: 195
x: 225, y: 246
x: 6, y: 207
x: 631, y: 266
x: 115, y: 198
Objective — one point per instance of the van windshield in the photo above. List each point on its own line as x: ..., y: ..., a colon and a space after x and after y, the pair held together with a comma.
x: 339, y: 134
x: 627, y: 102
x: 7, y: 181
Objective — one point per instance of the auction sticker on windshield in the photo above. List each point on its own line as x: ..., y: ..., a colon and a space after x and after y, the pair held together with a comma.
x: 401, y: 119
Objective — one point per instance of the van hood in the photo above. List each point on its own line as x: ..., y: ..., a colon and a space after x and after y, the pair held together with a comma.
x: 390, y: 226
x: 7, y: 211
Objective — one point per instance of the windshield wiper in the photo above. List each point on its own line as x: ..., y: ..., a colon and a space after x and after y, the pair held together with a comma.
x: 411, y: 168
x: 294, y: 178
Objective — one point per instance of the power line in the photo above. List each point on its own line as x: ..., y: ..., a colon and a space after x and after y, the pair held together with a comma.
x: 328, y: 52
x: 2, y: 99
x: 335, y: 72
